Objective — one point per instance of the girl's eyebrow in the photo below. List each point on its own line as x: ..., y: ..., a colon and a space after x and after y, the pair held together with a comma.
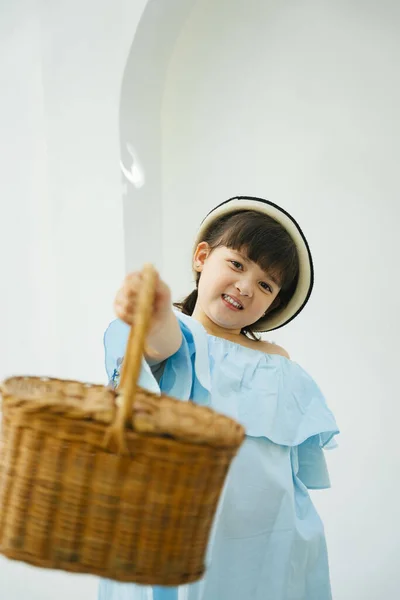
x: 248, y: 261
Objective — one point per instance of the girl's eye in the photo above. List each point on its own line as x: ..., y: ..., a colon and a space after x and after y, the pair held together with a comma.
x: 265, y: 286
x: 236, y: 264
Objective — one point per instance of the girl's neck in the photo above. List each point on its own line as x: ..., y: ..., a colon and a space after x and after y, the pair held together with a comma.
x: 214, y: 329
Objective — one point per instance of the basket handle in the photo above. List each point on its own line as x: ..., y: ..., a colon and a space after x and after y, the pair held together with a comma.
x: 133, y: 359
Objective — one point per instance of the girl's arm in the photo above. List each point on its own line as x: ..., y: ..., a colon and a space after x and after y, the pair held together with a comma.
x: 164, y: 340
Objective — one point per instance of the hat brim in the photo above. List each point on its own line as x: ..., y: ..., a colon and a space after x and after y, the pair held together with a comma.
x: 305, y: 284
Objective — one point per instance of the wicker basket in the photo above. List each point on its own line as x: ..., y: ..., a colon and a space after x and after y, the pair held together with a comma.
x: 120, y: 484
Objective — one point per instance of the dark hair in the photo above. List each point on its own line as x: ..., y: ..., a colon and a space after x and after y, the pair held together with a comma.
x: 265, y: 242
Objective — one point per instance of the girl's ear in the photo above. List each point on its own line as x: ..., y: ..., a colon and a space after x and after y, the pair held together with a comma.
x: 200, y: 256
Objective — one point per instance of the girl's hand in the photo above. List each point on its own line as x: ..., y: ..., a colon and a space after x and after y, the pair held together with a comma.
x: 125, y: 303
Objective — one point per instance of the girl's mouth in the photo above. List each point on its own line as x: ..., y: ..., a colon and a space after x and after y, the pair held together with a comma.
x: 231, y: 303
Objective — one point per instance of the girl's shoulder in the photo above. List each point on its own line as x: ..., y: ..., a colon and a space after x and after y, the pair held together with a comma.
x: 261, y: 346
x: 271, y: 348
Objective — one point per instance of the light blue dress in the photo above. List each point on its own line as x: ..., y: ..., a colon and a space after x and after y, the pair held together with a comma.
x: 268, y: 541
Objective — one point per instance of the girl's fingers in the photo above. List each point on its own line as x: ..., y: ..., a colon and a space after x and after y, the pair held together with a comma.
x: 132, y: 283
x: 125, y: 302
x: 134, y: 276
x: 122, y: 313
x: 124, y: 308
x: 119, y: 298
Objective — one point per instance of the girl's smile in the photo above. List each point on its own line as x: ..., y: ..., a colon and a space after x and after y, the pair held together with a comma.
x: 231, y: 302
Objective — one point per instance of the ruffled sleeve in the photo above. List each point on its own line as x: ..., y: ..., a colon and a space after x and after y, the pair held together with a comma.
x: 307, y: 425
x: 305, y: 407
x: 115, y: 340
x: 185, y: 375
x: 275, y: 398
x: 309, y: 464
x: 270, y: 395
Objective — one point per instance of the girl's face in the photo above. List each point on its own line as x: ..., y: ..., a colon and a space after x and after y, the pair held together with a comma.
x: 233, y: 291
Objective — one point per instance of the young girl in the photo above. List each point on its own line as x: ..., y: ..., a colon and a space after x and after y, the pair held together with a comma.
x: 254, y: 273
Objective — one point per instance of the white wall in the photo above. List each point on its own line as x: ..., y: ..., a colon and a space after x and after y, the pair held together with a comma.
x: 61, y: 242
x: 140, y: 128
x: 299, y: 102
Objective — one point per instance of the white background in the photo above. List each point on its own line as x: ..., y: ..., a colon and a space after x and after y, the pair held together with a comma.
x: 294, y: 101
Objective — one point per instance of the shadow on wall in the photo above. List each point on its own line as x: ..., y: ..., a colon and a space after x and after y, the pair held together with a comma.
x: 140, y: 128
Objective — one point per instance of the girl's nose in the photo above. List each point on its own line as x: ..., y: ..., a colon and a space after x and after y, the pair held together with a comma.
x: 244, y: 288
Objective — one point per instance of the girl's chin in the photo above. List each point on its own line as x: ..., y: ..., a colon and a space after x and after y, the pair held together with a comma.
x: 228, y: 321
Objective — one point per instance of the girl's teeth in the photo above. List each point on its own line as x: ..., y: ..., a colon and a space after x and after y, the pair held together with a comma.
x: 228, y: 299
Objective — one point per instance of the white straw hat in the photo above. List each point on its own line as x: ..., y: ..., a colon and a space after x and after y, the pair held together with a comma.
x: 305, y: 284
